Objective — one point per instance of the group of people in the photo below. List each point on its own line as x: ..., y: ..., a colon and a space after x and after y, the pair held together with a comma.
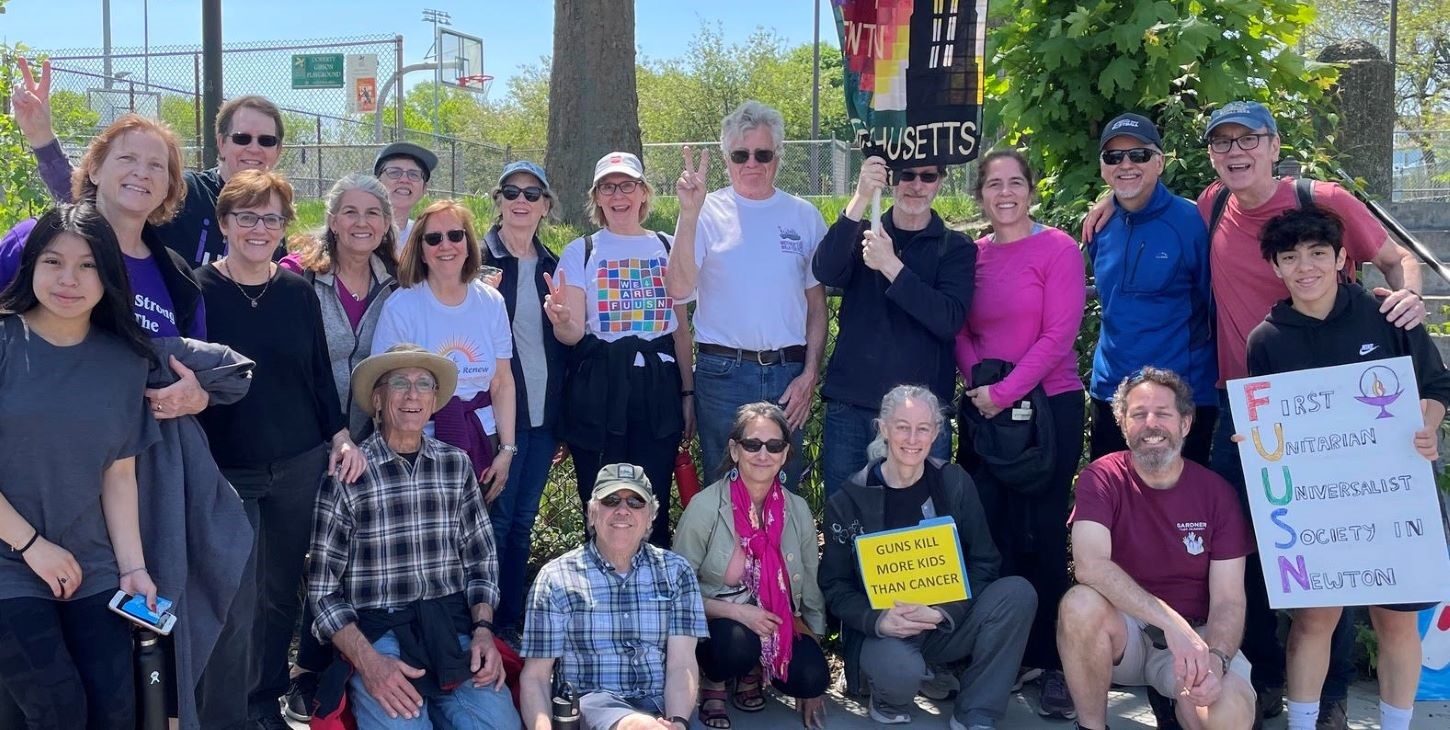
x: 368, y: 416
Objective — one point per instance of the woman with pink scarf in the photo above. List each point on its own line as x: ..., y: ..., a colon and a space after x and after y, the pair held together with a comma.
x: 753, y: 545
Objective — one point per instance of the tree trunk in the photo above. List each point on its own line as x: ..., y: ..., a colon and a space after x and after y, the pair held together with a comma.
x: 593, y: 103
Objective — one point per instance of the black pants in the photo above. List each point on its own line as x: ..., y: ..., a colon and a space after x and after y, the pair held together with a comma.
x: 655, y: 455
x: 733, y: 650
x: 68, y: 664
x: 1031, y: 530
x: 279, y: 500
x: 1107, y: 438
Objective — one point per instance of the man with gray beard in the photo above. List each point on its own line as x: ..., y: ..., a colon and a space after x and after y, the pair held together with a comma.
x: 1159, y: 546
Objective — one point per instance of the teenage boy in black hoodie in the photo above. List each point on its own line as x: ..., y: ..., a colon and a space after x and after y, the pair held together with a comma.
x: 1325, y: 323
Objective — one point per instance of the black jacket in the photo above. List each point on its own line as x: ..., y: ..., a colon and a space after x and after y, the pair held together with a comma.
x: 604, y: 391
x: 896, y: 332
x: 1355, y: 331
x: 554, y: 351
x: 180, y: 282
x: 195, y: 232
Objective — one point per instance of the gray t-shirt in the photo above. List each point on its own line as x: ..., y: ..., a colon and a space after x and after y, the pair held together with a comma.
x: 66, y: 415
x: 529, y: 339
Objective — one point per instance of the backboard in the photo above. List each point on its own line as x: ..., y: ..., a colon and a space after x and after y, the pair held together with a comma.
x: 111, y: 103
x: 460, y: 55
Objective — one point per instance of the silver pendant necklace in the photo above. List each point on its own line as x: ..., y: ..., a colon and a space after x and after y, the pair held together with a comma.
x: 238, y: 285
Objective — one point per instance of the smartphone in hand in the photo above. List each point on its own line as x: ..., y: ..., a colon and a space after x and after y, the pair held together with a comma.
x: 133, y: 608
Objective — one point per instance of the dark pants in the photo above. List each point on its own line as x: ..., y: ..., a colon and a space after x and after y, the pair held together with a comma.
x: 733, y: 650
x: 68, y: 664
x: 1031, y: 530
x: 312, y: 655
x: 1261, y: 644
x: 221, y: 692
x: 279, y: 500
x: 1107, y: 438
x: 655, y: 455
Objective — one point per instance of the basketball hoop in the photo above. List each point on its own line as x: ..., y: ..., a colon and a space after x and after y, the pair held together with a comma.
x: 476, y: 82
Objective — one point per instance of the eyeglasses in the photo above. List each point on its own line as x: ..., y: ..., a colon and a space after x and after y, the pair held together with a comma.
x: 774, y: 446
x: 532, y: 193
x: 265, y: 140
x: 433, y: 239
x: 1245, y: 143
x: 423, y: 385
x: 626, y: 187
x: 272, y: 221
x: 398, y: 173
x: 741, y: 157
x: 926, y: 177
x: 1136, y: 154
x: 633, y: 500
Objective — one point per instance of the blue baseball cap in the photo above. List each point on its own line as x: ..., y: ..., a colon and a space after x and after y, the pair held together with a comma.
x: 1250, y: 114
x: 1136, y: 126
x: 525, y: 166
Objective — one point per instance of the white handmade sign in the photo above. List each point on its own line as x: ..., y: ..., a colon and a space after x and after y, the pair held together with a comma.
x: 1345, y: 510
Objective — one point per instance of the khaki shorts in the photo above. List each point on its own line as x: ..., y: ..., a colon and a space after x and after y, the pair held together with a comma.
x: 1145, y: 665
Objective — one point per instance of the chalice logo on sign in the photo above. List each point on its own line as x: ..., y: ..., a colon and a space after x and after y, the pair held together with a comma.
x: 1379, y: 387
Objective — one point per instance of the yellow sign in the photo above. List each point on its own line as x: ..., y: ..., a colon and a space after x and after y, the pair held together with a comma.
x: 921, y: 564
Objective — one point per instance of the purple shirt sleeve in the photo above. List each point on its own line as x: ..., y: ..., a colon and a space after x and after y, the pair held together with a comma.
x: 11, y: 248
x: 55, y: 170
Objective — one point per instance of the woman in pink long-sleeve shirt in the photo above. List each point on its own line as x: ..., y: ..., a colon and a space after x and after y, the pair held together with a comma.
x: 1028, y: 306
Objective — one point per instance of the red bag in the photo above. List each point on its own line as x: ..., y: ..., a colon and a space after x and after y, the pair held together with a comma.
x: 686, y: 477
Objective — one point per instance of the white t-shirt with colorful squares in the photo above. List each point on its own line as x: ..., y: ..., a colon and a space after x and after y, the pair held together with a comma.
x: 623, y: 285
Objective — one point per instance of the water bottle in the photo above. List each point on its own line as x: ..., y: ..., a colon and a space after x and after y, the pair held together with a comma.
x: 566, y: 709
x: 150, y: 682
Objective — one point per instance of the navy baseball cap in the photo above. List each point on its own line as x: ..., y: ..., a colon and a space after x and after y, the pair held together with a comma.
x: 1250, y: 114
x: 525, y: 166
x: 1136, y: 126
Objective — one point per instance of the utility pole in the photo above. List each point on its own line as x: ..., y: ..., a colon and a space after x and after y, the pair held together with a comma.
x: 211, y: 85
x: 437, y: 18
x: 106, y: 41
x: 816, y: 102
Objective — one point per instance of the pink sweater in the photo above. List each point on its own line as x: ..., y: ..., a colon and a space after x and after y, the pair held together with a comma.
x: 1026, y: 310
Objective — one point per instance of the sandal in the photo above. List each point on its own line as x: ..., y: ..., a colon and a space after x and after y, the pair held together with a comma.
x: 748, y: 694
x: 714, y: 715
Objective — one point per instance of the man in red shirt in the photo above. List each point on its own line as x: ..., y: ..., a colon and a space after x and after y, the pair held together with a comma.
x: 1159, y: 546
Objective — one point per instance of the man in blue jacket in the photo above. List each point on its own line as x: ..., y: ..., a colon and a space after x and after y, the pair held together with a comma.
x: 1151, y: 266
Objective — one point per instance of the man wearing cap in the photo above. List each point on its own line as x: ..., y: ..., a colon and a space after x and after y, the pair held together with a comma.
x: 404, y: 169
x: 745, y: 251
x: 402, y: 574
x: 621, y: 617
x: 1150, y: 263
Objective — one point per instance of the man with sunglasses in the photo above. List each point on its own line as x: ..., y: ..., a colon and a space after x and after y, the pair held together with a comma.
x: 403, y: 574
x: 760, y: 315
x: 404, y: 169
x: 619, y: 616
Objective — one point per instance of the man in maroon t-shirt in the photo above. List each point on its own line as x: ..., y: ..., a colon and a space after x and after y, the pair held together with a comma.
x: 1159, y: 546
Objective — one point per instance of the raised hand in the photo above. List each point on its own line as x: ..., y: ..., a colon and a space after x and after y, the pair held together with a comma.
x: 555, y: 308
x: 691, y: 186
x: 31, y: 103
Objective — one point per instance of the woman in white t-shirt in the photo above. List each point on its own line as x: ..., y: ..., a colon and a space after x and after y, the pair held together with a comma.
x: 628, y: 390
x: 445, y: 309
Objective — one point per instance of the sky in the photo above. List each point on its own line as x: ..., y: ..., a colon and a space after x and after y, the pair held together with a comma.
x: 514, y: 33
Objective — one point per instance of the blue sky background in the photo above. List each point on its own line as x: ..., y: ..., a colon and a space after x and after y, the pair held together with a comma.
x: 514, y: 33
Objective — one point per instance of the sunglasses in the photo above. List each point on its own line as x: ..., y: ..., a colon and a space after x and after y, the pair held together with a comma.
x: 398, y: 173
x: 774, y: 446
x: 433, y: 239
x: 926, y: 177
x: 265, y: 140
x: 634, y: 501
x: 531, y: 193
x: 741, y: 157
x: 1136, y: 154
x: 626, y: 187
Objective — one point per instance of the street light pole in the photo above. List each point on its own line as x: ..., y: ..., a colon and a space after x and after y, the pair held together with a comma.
x: 437, y: 18
x: 106, y: 41
x: 816, y: 102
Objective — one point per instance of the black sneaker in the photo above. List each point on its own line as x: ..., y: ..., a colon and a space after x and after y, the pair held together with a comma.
x: 1164, y: 712
x: 1332, y: 716
x: 297, y: 703
x: 270, y: 722
x: 1271, y: 702
x: 1055, y: 701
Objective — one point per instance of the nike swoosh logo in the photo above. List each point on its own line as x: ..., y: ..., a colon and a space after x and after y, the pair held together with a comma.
x: 1367, y: 349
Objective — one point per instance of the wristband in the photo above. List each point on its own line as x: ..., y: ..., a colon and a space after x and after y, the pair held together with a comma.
x: 512, y: 449
x: 27, y: 545
x: 684, y: 393
x: 1222, y: 657
x: 483, y: 623
x: 132, y: 571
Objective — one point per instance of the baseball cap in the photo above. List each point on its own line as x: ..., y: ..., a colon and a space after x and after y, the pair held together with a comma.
x: 614, y: 477
x: 1250, y: 114
x: 618, y: 162
x: 425, y: 159
x: 525, y: 166
x: 1136, y: 126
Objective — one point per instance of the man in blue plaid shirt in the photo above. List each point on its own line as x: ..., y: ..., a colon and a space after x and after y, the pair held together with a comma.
x: 620, y: 616
x: 403, y: 575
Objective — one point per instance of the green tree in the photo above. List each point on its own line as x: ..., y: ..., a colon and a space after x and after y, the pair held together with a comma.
x: 21, y: 192
x: 1066, y: 67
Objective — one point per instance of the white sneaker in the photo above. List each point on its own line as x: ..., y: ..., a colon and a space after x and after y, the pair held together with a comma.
x: 1025, y: 675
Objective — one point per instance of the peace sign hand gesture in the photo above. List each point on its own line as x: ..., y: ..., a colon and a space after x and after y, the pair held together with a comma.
x: 31, y: 101
x: 555, y: 308
x: 691, y: 186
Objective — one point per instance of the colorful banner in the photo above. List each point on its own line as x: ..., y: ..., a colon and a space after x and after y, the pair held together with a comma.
x: 1435, y: 656
x: 1345, y: 511
x: 913, y: 73
x: 921, y: 564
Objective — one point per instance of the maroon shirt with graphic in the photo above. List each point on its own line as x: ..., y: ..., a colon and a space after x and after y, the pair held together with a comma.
x: 1165, y: 538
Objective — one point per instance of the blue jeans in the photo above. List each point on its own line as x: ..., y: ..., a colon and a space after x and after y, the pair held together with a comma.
x: 465, y: 708
x: 722, y: 385
x: 512, y: 516
x: 848, y: 430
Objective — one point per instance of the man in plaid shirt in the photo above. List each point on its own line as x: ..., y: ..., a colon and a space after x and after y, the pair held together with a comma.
x: 621, y: 617
x: 403, y: 574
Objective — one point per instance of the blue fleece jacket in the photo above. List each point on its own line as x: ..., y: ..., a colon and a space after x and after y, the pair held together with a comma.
x: 1151, y: 268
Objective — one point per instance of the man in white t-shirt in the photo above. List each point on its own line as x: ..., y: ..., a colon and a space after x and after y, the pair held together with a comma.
x: 745, y: 252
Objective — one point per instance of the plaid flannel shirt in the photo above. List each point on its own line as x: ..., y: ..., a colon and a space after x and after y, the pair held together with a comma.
x: 402, y: 533
x: 610, y: 631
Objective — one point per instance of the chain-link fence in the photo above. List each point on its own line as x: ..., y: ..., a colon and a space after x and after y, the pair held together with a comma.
x: 1421, y: 165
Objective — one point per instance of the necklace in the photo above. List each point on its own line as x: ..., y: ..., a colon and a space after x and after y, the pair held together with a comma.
x: 227, y: 267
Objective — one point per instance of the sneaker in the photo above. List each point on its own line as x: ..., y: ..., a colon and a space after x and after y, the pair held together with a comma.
x: 940, y: 685
x: 956, y: 724
x: 1025, y: 675
x: 1055, y: 700
x: 1332, y: 716
x: 1164, y: 712
x: 297, y: 703
x: 888, y: 714
x: 1271, y: 701
x: 270, y: 722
